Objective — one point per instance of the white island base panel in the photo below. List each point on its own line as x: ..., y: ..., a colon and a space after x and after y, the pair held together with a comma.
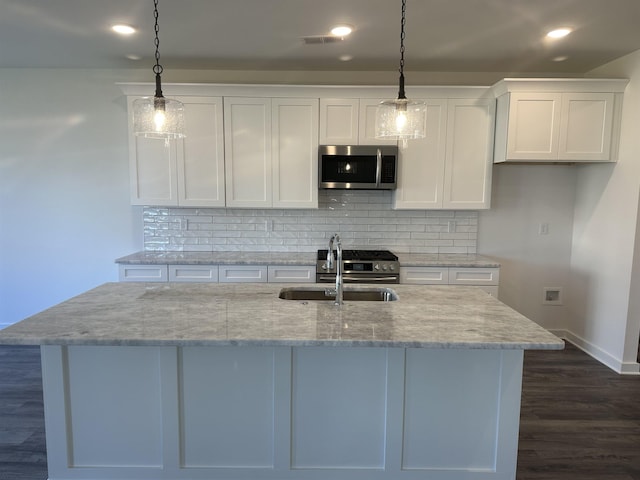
x: 290, y: 413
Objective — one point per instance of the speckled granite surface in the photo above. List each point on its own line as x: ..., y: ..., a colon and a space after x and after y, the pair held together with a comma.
x: 293, y: 258
x: 252, y: 314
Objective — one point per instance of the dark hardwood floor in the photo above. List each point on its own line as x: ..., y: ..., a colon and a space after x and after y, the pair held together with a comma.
x: 22, y: 445
x: 579, y: 421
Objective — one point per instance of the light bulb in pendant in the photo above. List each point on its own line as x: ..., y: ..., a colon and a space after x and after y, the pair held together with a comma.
x: 401, y: 121
x: 159, y: 119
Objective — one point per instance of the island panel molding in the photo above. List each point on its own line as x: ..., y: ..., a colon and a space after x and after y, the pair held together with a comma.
x: 293, y: 413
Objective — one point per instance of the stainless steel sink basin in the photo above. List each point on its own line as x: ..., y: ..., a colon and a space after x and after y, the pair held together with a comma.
x: 350, y: 294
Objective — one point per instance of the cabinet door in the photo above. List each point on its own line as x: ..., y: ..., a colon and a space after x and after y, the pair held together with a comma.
x: 339, y: 121
x: 201, y: 154
x: 142, y: 273
x: 421, y: 163
x: 247, y: 137
x: 193, y: 273
x: 474, y: 276
x: 291, y: 273
x: 242, y: 273
x: 469, y: 153
x: 152, y: 168
x: 585, y: 127
x: 367, y: 123
x: 295, y: 153
x: 424, y: 275
x: 534, y: 126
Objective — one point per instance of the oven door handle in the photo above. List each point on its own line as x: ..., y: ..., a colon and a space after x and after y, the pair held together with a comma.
x: 351, y: 278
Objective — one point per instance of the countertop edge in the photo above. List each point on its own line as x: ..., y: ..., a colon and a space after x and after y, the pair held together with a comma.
x: 295, y: 258
x: 283, y: 343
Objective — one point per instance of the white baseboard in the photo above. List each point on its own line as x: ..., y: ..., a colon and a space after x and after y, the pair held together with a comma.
x: 625, y: 368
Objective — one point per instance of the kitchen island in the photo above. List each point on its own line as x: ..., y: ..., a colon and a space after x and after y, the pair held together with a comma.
x: 211, y: 381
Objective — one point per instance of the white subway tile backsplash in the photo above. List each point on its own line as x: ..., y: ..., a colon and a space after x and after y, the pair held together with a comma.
x: 364, y: 219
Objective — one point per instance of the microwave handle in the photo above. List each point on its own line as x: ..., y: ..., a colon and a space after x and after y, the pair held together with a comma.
x: 378, y: 166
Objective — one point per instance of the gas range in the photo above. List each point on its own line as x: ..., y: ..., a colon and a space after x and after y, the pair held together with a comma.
x: 360, y: 266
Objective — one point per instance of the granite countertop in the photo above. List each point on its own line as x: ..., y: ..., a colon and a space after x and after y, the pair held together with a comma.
x: 205, y: 314
x: 293, y: 258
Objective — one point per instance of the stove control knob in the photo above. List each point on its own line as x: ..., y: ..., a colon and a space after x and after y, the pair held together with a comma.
x: 384, y: 267
x: 324, y: 266
x: 391, y: 267
x: 376, y: 266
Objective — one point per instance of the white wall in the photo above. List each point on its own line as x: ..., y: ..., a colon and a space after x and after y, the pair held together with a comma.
x: 523, y: 197
x: 604, y: 239
x: 64, y: 197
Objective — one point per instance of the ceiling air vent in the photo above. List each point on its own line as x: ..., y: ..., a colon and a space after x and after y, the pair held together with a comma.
x: 321, y: 39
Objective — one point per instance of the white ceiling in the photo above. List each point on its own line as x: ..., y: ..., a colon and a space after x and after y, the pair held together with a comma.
x: 442, y: 35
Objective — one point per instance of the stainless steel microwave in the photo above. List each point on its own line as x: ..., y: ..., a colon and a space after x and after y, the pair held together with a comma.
x: 357, y: 166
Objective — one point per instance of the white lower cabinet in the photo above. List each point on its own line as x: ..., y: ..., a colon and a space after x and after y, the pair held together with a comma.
x: 143, y: 273
x: 424, y: 275
x: 488, y: 279
x: 218, y: 273
x: 296, y: 413
x: 242, y: 273
x: 291, y: 274
x: 193, y: 273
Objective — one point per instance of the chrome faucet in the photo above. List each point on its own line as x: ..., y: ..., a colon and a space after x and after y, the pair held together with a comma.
x: 335, y: 240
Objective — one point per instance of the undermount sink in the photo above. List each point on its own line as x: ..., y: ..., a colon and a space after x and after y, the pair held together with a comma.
x: 349, y: 295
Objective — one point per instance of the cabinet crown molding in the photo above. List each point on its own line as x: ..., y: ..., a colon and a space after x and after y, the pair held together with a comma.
x: 586, y: 85
x: 301, y: 91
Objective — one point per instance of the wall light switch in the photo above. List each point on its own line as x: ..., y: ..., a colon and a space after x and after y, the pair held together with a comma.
x: 543, y: 229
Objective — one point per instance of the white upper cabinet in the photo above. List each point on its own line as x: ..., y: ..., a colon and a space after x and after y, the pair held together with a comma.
x: 349, y: 121
x: 468, y: 166
x: 367, y: 123
x: 271, y: 152
x: 422, y: 162
x: 188, y: 171
x: 247, y: 134
x: 542, y: 120
x: 451, y: 167
x: 201, y: 154
x: 339, y: 121
x: 586, y: 125
x: 294, y: 152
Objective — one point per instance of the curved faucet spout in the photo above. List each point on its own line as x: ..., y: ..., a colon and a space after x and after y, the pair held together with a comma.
x: 335, y: 240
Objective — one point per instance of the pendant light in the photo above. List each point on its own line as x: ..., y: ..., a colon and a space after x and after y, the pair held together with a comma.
x: 157, y: 116
x: 401, y: 119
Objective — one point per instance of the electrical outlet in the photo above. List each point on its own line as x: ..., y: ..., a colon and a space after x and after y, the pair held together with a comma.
x: 451, y: 227
x: 552, y: 295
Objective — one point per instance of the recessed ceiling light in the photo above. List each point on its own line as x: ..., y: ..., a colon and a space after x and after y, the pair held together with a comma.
x: 560, y: 58
x: 345, y: 58
x: 559, y: 32
x: 123, y: 29
x: 341, y: 30
x: 133, y: 56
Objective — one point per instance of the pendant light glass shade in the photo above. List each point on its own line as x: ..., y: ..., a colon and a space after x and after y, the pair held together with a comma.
x: 158, y: 117
x: 401, y: 119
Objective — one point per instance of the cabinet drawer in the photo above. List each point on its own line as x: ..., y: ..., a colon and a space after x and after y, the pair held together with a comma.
x: 242, y: 273
x: 143, y: 273
x: 424, y: 275
x: 474, y: 276
x: 193, y: 273
x: 291, y: 273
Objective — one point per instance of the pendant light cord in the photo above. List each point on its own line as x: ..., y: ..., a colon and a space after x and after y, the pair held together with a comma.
x: 401, y: 94
x: 157, y: 68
